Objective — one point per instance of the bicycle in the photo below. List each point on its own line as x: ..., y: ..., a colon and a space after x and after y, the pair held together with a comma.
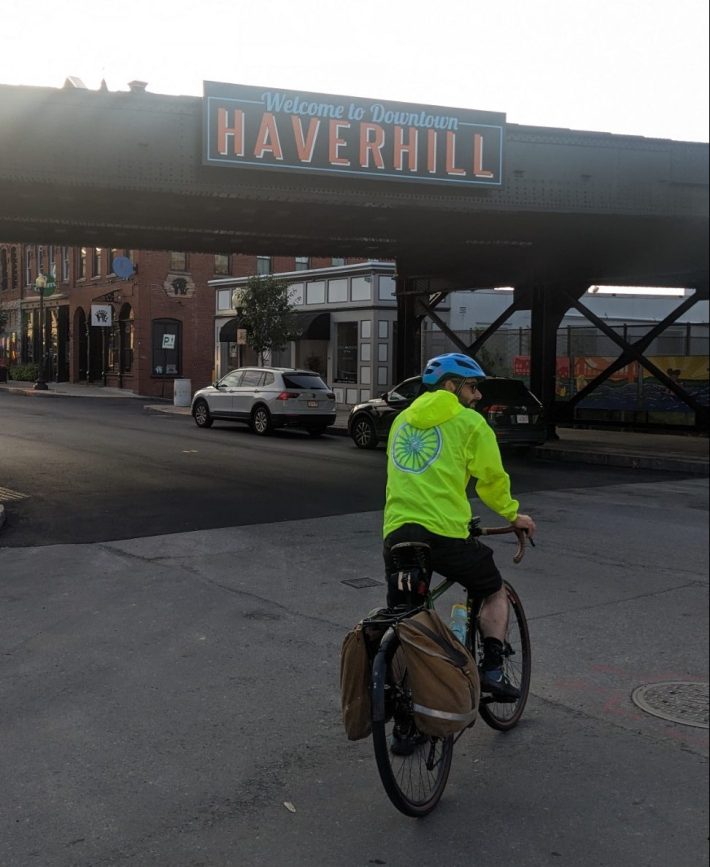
x: 414, y: 783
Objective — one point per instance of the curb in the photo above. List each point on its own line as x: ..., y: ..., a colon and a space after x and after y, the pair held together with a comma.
x: 635, y: 461
x: 51, y: 392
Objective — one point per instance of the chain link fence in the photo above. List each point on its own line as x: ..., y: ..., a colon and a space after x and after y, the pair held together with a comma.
x: 583, y: 352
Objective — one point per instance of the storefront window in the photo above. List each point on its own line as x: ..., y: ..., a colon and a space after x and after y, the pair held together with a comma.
x: 387, y: 288
x: 337, y: 291
x: 166, y: 347
x: 315, y: 292
x: 295, y: 293
x: 360, y: 289
x: 224, y: 299
x: 120, y: 346
x: 346, y: 353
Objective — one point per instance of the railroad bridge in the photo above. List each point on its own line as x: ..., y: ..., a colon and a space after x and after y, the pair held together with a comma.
x: 459, y: 199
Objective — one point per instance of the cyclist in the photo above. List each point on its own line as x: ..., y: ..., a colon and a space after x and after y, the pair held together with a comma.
x: 434, y: 448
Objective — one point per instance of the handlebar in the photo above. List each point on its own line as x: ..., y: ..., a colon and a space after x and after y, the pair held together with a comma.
x: 521, y: 535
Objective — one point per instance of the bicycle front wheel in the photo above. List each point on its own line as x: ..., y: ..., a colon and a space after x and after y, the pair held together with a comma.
x: 503, y: 716
x: 413, y: 767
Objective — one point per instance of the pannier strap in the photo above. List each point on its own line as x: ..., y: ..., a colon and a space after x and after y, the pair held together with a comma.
x: 458, y: 658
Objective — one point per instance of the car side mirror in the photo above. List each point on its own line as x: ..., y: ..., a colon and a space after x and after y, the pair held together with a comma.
x: 395, y: 400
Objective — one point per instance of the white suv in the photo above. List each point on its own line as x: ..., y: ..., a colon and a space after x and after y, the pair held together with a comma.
x: 267, y: 398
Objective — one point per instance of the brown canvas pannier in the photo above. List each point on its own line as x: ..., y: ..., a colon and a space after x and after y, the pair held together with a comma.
x: 442, y: 675
x: 357, y: 652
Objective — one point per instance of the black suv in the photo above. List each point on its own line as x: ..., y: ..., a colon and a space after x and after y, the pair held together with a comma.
x: 514, y: 413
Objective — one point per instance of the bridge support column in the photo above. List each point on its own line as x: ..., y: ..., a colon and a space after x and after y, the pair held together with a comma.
x: 545, y: 318
x: 408, y: 333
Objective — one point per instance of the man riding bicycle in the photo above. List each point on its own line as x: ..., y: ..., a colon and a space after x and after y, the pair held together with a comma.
x: 434, y: 448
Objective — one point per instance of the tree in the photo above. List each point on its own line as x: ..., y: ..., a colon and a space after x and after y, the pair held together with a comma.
x: 267, y: 314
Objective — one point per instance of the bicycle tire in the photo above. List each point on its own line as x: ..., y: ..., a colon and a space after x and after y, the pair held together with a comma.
x: 517, y: 665
x: 414, y: 783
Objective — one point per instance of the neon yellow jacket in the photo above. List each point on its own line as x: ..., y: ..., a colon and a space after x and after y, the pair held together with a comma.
x: 434, y: 448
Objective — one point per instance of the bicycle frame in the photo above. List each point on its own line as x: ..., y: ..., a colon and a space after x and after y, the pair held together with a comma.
x: 414, y: 780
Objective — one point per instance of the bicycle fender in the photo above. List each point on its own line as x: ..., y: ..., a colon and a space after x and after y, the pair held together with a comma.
x: 379, y: 673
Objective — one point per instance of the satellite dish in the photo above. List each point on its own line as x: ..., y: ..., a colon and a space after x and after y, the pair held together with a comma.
x: 122, y: 266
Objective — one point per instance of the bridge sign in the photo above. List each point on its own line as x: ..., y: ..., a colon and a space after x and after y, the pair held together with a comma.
x: 340, y: 135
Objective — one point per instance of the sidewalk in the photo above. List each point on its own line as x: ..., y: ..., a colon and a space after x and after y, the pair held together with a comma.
x: 671, y: 452
x: 68, y: 389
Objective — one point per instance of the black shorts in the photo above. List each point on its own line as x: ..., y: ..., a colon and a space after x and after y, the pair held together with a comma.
x: 466, y: 561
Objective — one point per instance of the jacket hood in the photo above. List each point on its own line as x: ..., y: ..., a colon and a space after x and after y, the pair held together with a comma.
x: 432, y: 408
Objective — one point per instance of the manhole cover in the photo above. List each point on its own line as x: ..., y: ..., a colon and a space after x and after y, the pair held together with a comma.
x: 359, y: 583
x: 677, y: 701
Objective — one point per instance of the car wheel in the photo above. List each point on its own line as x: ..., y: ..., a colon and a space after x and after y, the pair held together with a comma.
x: 261, y: 422
x: 363, y: 433
x: 201, y: 414
x: 316, y: 431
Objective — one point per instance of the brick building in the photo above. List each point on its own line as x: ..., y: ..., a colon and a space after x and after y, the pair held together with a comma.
x: 149, y: 327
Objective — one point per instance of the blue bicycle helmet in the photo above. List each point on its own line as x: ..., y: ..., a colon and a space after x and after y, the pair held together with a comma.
x: 454, y: 364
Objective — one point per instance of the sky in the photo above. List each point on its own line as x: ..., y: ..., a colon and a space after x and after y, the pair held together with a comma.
x: 637, y: 67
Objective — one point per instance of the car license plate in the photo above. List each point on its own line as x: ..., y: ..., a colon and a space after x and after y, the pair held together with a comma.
x: 312, y: 403
x: 522, y: 419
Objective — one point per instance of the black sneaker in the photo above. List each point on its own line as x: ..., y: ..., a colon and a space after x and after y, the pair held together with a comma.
x: 404, y: 745
x: 494, y: 681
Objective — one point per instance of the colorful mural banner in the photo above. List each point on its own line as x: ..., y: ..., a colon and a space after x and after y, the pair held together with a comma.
x: 677, y: 367
x: 680, y: 367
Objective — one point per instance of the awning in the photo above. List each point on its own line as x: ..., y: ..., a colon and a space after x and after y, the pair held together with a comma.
x: 314, y: 325
x: 228, y: 332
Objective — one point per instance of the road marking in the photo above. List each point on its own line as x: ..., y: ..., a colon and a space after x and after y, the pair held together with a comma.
x: 189, y: 451
x: 6, y: 495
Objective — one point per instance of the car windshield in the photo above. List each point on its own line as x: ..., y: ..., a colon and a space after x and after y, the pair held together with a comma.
x: 304, y: 380
x: 407, y: 390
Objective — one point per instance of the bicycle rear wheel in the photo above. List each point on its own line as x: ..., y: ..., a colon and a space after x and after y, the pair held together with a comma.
x: 503, y: 716
x: 414, y: 782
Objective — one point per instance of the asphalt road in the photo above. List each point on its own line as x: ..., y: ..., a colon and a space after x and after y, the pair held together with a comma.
x: 89, y: 470
x: 164, y: 698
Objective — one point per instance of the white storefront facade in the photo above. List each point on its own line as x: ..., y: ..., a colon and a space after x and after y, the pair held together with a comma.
x: 347, y: 315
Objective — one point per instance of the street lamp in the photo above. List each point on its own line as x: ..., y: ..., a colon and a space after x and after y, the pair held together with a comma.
x: 238, y: 307
x: 40, y: 286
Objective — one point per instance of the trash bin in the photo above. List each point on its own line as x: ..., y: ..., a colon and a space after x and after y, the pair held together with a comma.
x: 3, y: 374
x: 182, y: 392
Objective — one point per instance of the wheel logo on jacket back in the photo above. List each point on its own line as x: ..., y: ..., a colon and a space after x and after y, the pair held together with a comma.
x: 414, y: 449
